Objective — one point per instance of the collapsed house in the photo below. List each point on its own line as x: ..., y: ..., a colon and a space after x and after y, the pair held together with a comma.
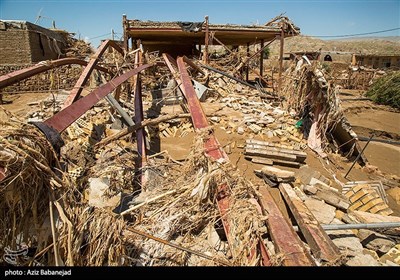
x: 86, y: 184
x: 23, y: 42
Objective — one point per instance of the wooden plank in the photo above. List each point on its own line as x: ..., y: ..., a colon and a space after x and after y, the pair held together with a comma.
x: 301, y: 156
x: 286, y: 241
x: 261, y: 160
x: 269, y: 154
x: 286, y: 163
x: 321, y: 245
x: 268, y: 161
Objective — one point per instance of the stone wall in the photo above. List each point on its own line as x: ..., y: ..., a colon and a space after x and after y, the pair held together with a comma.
x: 63, y: 77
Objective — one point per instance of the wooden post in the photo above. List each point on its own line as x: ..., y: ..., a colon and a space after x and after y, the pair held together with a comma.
x: 282, y: 38
x: 205, y: 58
x: 286, y: 241
x: 125, y: 27
x: 262, y: 58
x: 247, y: 67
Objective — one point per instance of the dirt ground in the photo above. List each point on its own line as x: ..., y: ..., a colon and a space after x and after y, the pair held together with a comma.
x: 364, y: 116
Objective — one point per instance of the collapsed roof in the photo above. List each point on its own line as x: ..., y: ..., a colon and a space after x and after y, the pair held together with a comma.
x: 154, y: 34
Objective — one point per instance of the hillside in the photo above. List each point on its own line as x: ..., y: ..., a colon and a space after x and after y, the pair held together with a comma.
x: 370, y: 45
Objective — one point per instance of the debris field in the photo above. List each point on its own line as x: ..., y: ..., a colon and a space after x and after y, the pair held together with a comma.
x: 158, y: 159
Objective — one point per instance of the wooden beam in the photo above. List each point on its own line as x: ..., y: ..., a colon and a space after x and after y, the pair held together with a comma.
x: 321, y: 245
x: 282, y: 40
x: 205, y: 58
x: 262, y: 58
x: 247, y: 67
x: 286, y: 241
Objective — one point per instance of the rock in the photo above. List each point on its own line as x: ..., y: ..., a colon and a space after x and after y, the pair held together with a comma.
x: 95, y: 194
x: 269, y: 134
x: 362, y: 260
x: 346, y: 240
x: 375, y: 241
x: 392, y: 255
x: 306, y: 173
x: 240, y: 130
x: 255, y: 128
x: 215, y: 119
x: 278, y: 175
x: 323, y: 212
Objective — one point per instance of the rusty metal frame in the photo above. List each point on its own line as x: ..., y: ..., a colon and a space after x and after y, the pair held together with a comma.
x: 67, y: 116
x: 77, y: 89
x: 19, y: 75
x: 140, y: 133
x: 214, y: 150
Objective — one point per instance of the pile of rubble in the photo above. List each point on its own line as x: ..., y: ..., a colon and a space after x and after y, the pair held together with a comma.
x: 118, y: 204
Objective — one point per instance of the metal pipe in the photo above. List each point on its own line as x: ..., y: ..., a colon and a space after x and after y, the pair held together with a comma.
x: 113, y: 102
x: 358, y: 226
x: 362, y: 138
x: 358, y: 156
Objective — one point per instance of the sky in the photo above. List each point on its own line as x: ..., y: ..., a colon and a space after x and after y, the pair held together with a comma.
x: 93, y: 20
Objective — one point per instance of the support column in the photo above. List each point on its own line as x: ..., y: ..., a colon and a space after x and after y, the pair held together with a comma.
x: 282, y: 39
x: 247, y: 67
x: 125, y: 26
x: 262, y: 58
x: 205, y: 58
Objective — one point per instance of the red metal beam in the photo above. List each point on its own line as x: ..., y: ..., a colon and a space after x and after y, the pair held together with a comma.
x: 140, y: 133
x: 212, y: 149
x: 76, y: 91
x: 285, y: 239
x: 19, y: 75
x: 67, y: 116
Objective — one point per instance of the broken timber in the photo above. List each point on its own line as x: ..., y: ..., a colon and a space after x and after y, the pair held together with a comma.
x: 212, y: 149
x: 285, y: 239
x: 321, y: 245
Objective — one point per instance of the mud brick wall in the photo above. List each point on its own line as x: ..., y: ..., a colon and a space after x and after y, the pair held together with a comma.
x: 43, y: 47
x: 63, y: 77
x: 14, y: 46
x: 27, y: 46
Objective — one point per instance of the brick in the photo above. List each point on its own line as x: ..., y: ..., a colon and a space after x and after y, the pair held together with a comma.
x: 360, y: 187
x: 370, y: 204
x: 358, y: 195
x: 385, y: 212
x: 373, y: 194
x: 349, y: 194
x: 379, y: 207
x: 356, y: 205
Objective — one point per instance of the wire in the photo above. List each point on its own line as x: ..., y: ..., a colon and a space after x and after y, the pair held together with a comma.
x: 100, y: 36
x: 358, y: 34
